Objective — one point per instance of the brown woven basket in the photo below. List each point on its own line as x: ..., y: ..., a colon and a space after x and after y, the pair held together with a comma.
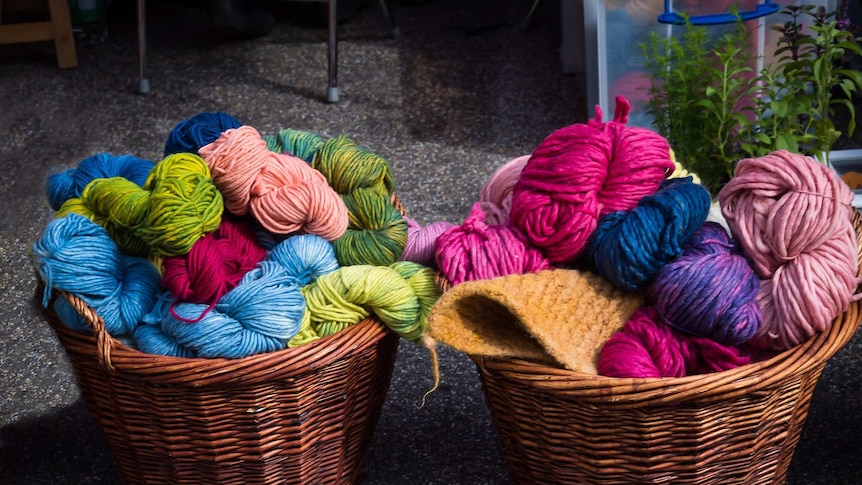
x: 739, y: 426
x: 302, y: 415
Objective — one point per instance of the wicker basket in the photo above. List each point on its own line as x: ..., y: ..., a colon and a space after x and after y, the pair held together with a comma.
x: 300, y: 415
x: 739, y: 426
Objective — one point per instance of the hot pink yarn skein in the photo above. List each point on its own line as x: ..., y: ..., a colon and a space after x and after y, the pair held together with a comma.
x: 496, y: 194
x: 215, y: 265
x: 647, y: 347
x: 582, y: 172
x: 477, y: 251
x: 283, y: 192
x: 791, y: 214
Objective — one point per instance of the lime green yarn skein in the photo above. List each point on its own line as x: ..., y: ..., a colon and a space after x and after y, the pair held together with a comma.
x: 128, y: 242
x: 184, y: 204
x: 421, y: 280
x: 376, y: 232
x: 348, y: 167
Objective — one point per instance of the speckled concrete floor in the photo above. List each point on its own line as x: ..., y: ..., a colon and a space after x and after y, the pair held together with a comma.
x: 461, y: 91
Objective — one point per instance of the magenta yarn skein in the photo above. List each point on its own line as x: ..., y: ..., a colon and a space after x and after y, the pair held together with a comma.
x: 791, y: 215
x: 582, y: 172
x: 477, y: 251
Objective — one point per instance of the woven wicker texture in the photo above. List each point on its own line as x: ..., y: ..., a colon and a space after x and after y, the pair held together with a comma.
x: 300, y: 415
x: 739, y: 426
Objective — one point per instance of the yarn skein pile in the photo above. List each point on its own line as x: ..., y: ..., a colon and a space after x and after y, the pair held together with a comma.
x: 150, y: 248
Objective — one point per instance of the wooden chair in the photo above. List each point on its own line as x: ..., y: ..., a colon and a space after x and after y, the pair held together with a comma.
x: 58, y: 29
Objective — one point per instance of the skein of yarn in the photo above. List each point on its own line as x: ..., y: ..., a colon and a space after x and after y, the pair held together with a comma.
x: 281, y: 191
x: 304, y: 257
x: 475, y: 251
x: 76, y: 255
x: 215, y: 265
x: 629, y: 247
x: 421, y: 239
x: 646, y: 347
x: 201, y: 129
x: 299, y: 143
x: 259, y: 315
x: 581, y: 173
x: 348, y: 167
x: 70, y: 183
x: 791, y: 215
x: 377, y: 232
x: 177, y: 205
x: 496, y: 194
x: 710, y: 290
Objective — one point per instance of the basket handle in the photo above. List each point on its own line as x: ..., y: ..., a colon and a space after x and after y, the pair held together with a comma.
x: 104, y: 341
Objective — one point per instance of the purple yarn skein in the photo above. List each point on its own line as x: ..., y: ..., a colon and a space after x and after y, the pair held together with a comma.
x: 710, y: 290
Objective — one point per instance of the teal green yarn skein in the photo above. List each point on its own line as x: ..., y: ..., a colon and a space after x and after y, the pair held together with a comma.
x: 299, y: 143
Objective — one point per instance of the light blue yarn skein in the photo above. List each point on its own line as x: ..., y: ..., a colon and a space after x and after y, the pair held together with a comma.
x: 69, y: 184
x: 76, y: 255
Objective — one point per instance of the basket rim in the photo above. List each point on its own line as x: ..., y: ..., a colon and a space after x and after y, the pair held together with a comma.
x: 119, y: 358
x: 809, y: 356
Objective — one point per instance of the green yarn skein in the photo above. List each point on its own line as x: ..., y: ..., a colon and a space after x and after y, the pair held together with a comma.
x: 348, y: 166
x: 376, y: 231
x: 299, y: 143
x: 401, y: 296
x: 177, y: 205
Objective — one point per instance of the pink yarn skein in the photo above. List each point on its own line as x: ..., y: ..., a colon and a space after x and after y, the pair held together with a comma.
x: 283, y: 192
x: 582, y: 172
x: 477, y: 251
x: 647, y: 347
x: 791, y: 214
x: 420, y: 241
x: 496, y: 194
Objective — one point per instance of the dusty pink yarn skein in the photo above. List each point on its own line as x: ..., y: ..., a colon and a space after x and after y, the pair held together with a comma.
x: 582, y: 172
x: 420, y: 241
x: 477, y: 251
x: 791, y: 214
x: 496, y: 194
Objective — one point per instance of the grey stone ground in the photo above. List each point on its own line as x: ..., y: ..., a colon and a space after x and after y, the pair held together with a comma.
x: 461, y: 91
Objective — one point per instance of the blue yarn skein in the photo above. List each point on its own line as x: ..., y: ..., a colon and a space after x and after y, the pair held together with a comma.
x: 710, y: 290
x: 76, y: 255
x: 189, y: 135
x: 70, y: 183
x: 629, y: 247
x: 259, y: 315
x: 305, y: 257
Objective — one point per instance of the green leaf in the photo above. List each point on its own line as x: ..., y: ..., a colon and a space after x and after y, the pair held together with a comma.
x: 779, y: 107
x: 786, y: 142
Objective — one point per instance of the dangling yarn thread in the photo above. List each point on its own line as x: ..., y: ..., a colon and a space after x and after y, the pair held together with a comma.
x: 76, y: 255
x: 646, y: 347
x: 475, y: 251
x: 581, y: 173
x: 201, y: 129
x: 629, y: 247
x: 70, y: 183
x: 496, y: 194
x: 710, y: 290
x: 281, y: 191
x: 177, y: 205
x: 420, y: 241
x: 791, y: 215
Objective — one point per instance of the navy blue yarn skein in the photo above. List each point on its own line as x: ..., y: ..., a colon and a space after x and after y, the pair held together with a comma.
x: 189, y: 135
x: 76, y: 255
x: 69, y: 184
x: 710, y: 290
x: 629, y: 247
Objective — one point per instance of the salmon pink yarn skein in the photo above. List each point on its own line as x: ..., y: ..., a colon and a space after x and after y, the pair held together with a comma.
x: 581, y: 173
x: 496, y: 194
x: 477, y: 251
x: 283, y: 192
x: 791, y: 214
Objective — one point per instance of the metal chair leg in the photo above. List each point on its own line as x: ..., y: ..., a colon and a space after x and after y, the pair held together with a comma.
x: 143, y: 82
x: 332, y: 90
x: 390, y: 19
x: 525, y: 23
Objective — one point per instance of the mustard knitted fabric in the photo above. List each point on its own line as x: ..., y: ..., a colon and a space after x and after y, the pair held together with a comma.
x: 557, y: 316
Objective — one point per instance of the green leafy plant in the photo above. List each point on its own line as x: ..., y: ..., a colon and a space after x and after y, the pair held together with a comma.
x: 714, y: 110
